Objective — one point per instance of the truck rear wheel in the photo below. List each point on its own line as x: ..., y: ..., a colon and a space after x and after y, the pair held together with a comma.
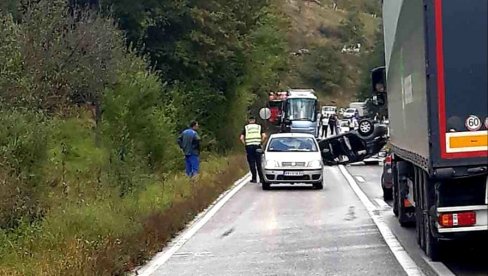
x: 420, y: 178
x: 395, y: 189
x: 405, y: 214
x: 432, y: 246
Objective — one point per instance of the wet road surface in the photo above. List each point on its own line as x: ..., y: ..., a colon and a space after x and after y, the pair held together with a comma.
x: 287, y: 231
x: 460, y: 258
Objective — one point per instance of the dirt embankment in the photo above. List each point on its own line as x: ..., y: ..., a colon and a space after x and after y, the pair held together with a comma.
x: 321, y: 25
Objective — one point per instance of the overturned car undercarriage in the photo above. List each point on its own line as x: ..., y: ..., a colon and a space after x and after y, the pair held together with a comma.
x: 354, y: 146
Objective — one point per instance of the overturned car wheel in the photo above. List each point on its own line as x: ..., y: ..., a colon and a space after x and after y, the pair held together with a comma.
x: 366, y: 127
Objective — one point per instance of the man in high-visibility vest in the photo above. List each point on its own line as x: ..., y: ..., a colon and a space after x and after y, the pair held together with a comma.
x: 252, y: 136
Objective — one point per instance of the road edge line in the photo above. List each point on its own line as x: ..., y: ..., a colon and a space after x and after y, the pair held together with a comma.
x: 438, y: 267
x: 406, y: 262
x: 192, y: 228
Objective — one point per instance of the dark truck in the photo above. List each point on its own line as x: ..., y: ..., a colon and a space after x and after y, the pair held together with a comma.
x: 435, y: 88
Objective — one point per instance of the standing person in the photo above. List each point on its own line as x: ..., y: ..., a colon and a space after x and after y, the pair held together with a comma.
x: 332, y: 123
x: 376, y: 117
x: 324, y: 130
x: 354, y: 123
x: 356, y: 114
x: 337, y: 126
x: 189, y: 142
x: 252, y: 136
x: 321, y: 123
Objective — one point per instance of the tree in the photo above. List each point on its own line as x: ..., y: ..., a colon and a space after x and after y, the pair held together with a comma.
x: 352, y: 28
x: 64, y: 57
x: 323, y: 69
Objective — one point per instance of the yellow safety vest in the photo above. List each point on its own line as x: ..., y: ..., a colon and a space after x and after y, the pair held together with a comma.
x: 253, y: 134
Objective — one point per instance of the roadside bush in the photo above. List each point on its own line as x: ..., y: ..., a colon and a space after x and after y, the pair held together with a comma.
x: 55, y: 56
x: 88, y: 155
x: 110, y: 236
x: 22, y: 153
x: 330, y: 32
x: 136, y: 121
x: 323, y: 69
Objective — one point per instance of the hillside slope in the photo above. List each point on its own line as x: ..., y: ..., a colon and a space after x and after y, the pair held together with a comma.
x: 318, y: 32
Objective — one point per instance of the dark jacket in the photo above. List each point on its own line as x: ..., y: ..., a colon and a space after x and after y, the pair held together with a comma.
x: 189, y: 142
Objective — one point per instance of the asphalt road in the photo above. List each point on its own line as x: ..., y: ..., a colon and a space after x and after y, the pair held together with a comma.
x: 461, y: 258
x: 301, y: 231
x: 287, y: 231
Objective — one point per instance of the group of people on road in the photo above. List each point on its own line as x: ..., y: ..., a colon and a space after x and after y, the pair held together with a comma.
x: 332, y: 125
x: 252, y: 137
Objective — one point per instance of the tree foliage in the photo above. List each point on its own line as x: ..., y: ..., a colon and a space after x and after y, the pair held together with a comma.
x: 324, y: 68
x: 107, y: 96
x: 56, y: 57
x: 353, y: 28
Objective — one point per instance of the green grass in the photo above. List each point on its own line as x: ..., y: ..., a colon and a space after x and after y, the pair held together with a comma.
x: 87, y: 228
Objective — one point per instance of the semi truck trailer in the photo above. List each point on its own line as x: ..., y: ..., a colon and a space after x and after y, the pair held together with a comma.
x: 435, y: 87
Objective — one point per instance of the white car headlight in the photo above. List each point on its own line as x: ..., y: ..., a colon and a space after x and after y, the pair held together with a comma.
x: 315, y: 164
x: 271, y: 164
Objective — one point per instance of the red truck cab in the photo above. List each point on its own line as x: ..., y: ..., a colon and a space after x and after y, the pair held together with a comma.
x: 275, y: 105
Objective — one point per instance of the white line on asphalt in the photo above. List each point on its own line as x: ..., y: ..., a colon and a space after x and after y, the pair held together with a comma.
x: 193, y: 227
x: 360, y: 179
x: 400, y: 254
x: 438, y: 267
x: 382, y: 203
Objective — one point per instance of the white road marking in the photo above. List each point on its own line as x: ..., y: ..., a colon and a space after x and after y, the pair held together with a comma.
x: 162, y: 257
x: 438, y: 267
x: 381, y: 203
x: 360, y: 179
x: 401, y: 255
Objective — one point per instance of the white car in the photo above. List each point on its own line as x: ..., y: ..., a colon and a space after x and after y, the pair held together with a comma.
x: 291, y: 158
x: 328, y: 110
x: 349, y: 113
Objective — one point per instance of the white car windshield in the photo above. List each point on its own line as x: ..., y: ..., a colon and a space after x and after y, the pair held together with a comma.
x: 350, y: 110
x: 328, y: 108
x: 292, y: 144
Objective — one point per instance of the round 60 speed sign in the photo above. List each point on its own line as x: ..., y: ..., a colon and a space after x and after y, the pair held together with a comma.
x: 473, y: 123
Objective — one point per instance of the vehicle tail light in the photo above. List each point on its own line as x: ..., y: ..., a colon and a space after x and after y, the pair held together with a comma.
x: 457, y: 219
x: 406, y: 203
x: 388, y: 159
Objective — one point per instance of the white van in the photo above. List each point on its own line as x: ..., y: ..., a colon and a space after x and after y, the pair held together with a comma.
x: 328, y: 110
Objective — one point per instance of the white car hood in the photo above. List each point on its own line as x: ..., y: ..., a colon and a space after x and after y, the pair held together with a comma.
x: 293, y: 156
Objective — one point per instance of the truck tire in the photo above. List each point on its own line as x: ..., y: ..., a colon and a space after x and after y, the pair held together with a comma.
x: 387, y: 194
x: 394, y: 189
x: 420, y: 179
x: 405, y: 217
x: 432, y: 243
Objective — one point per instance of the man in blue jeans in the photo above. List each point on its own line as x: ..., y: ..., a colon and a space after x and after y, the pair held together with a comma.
x: 189, y: 142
